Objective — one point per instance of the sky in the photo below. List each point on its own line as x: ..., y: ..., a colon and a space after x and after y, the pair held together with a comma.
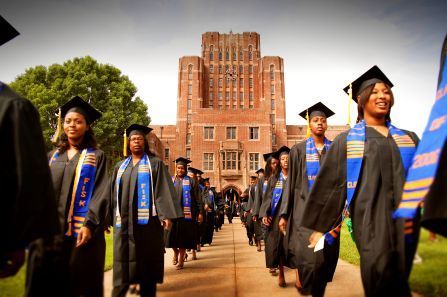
x: 325, y: 45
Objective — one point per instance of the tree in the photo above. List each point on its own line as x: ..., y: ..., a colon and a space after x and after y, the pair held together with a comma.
x: 102, y: 85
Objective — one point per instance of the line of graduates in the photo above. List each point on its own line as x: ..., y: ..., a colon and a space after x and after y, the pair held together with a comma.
x: 59, y: 207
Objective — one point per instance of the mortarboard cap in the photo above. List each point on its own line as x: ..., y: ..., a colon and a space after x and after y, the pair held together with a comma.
x: 7, y: 32
x: 253, y: 177
x: 193, y: 170
x: 181, y: 160
x: 136, y: 127
x: 206, y: 179
x: 267, y: 156
x: 283, y: 150
x: 372, y: 76
x: 260, y: 170
x: 80, y: 105
x: 318, y: 109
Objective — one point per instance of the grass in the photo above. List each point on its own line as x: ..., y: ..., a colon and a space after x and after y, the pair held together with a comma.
x: 428, y: 278
x: 15, y: 286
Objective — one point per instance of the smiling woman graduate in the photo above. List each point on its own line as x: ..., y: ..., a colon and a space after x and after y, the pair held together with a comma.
x: 79, y: 173
x: 365, y: 168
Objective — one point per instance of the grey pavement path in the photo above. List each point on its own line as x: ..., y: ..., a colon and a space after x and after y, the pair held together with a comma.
x: 230, y: 267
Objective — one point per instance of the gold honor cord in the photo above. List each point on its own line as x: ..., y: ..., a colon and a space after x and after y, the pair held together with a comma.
x: 58, y: 129
x: 308, y: 124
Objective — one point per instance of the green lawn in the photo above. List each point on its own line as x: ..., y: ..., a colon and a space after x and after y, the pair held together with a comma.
x: 15, y: 286
x: 428, y: 278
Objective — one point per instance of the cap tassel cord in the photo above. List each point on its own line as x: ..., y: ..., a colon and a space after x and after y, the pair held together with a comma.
x: 58, y: 129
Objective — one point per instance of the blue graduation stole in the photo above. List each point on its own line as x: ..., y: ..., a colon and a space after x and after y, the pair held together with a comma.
x: 145, y: 190
x: 186, y: 197
x: 426, y: 161
x: 264, y: 186
x: 211, y: 195
x: 355, y: 147
x: 313, y: 159
x: 277, y: 193
x: 83, y: 187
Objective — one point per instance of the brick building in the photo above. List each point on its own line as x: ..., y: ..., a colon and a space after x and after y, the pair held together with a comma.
x: 230, y: 111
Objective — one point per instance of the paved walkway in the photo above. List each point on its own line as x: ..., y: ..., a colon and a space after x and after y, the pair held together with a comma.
x: 230, y: 267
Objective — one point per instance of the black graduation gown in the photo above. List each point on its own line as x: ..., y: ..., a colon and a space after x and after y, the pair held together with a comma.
x: 315, y: 269
x: 274, y: 249
x: 220, y: 203
x: 85, y: 265
x: 256, y: 228
x: 184, y: 234
x: 434, y: 217
x: 139, y: 249
x: 28, y: 207
x: 379, y: 238
x: 229, y: 209
x: 209, y: 218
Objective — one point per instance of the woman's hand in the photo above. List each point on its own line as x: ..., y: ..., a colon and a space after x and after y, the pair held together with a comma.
x: 167, y: 224
x: 85, y: 234
x: 313, y: 239
x: 267, y: 221
x: 282, y: 225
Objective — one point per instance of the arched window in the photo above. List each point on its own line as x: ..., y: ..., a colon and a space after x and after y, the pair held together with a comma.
x: 272, y: 72
x: 241, y: 55
x: 227, y: 55
x: 220, y: 55
x: 250, y: 53
x: 234, y: 54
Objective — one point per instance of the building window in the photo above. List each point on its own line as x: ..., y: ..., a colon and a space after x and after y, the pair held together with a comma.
x: 272, y: 89
x: 229, y: 160
x: 211, y: 82
x: 241, y: 69
x: 189, y: 89
x: 227, y: 55
x: 226, y: 68
x: 211, y: 53
x: 273, y: 103
x: 241, y: 55
x: 272, y: 119
x: 208, y: 161
x: 189, y: 104
x: 227, y: 95
x: 234, y: 54
x: 231, y: 132
x: 188, y: 138
x: 241, y: 96
x: 250, y: 69
x: 254, y: 133
x: 208, y: 133
x: 211, y: 69
x: 250, y: 82
x: 273, y: 139
x: 167, y: 153
x: 220, y: 56
x: 234, y: 95
x: 241, y: 82
x: 250, y: 53
x: 220, y: 83
x: 188, y: 118
x: 228, y: 81
x: 220, y: 95
x: 272, y: 73
x: 220, y: 69
x: 188, y: 153
x: 211, y: 96
x: 189, y: 71
x: 254, y: 161
x: 250, y: 96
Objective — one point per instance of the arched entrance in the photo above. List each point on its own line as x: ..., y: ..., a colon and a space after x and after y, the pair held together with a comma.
x: 231, y: 192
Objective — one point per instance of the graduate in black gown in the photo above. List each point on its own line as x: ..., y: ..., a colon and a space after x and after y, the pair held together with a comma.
x: 269, y: 212
x: 313, y: 270
x: 142, y: 205
x: 183, y: 234
x: 196, y: 175
x: 210, y: 207
x: 383, y: 151
x: 220, y: 209
x: 28, y: 208
x: 79, y: 173
x: 229, y: 205
x: 257, y: 224
x: 248, y: 210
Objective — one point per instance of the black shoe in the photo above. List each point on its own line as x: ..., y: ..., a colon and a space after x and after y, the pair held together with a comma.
x: 250, y: 242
